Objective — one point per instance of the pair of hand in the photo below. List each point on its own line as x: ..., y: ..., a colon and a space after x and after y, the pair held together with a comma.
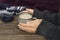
x: 30, y: 26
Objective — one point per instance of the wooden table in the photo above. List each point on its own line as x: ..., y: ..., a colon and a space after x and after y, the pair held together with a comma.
x: 10, y: 31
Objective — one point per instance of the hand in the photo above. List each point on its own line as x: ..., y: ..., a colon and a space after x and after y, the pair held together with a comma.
x: 29, y: 11
x: 30, y: 26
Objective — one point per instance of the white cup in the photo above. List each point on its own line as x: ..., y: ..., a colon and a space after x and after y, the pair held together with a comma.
x: 25, y: 17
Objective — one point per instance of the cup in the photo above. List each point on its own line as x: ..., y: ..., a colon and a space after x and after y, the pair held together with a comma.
x: 25, y: 17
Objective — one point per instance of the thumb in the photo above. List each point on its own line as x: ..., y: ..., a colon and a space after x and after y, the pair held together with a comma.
x: 31, y: 21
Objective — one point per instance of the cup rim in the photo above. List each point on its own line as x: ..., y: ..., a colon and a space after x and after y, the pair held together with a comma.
x: 26, y: 13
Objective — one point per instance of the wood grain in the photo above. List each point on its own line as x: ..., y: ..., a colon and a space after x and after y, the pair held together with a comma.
x: 10, y: 31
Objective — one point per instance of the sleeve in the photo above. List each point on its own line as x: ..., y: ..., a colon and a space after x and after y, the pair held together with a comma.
x: 47, y: 15
x: 49, y: 30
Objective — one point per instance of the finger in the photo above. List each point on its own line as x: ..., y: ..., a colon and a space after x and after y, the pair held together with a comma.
x: 30, y: 11
x: 24, y: 11
x: 27, y: 24
x: 25, y: 29
x: 23, y: 25
x: 31, y: 25
x: 32, y: 21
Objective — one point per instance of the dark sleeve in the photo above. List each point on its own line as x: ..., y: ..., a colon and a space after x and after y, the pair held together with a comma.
x: 47, y: 15
x: 49, y: 30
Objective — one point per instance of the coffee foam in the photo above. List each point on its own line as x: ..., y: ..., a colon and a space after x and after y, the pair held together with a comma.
x: 25, y: 16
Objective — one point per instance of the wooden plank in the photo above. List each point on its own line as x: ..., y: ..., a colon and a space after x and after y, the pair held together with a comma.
x: 10, y: 31
x: 21, y: 37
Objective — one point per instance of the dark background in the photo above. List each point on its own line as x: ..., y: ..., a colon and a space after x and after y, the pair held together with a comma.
x: 51, y: 5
